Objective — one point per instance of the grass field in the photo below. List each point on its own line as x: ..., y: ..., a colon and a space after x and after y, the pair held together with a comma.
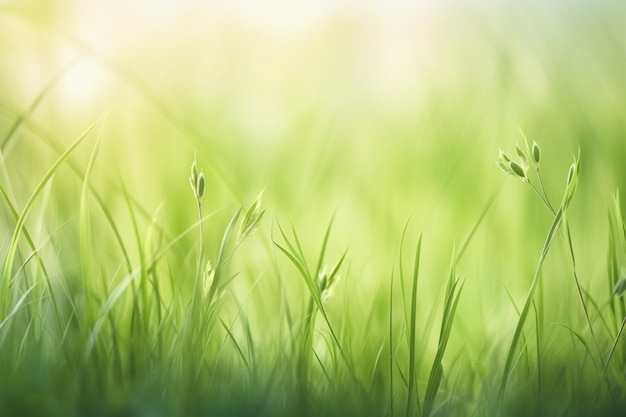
x: 312, y: 210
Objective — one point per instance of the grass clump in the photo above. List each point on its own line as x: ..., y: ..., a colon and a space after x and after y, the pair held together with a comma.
x: 142, y: 341
x: 123, y: 294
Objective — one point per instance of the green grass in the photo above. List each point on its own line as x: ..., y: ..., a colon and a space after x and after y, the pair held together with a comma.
x: 345, y: 242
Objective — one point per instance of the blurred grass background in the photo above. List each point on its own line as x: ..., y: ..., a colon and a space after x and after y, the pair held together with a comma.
x: 375, y: 113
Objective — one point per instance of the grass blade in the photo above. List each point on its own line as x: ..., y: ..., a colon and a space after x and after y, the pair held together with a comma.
x: 7, y: 266
x: 412, y: 334
x: 436, y: 374
x: 554, y: 227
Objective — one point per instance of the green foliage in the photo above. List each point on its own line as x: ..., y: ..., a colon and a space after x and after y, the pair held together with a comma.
x: 123, y: 294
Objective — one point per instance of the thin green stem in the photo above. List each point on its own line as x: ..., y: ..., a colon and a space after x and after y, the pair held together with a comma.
x: 566, y: 236
x: 613, y: 346
x: 543, y: 198
x: 200, y: 235
x: 565, y: 233
x: 195, y: 304
x: 543, y: 190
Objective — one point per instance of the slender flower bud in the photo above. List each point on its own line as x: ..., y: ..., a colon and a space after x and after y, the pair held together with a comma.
x: 517, y: 169
x: 536, y: 153
x: 200, y: 186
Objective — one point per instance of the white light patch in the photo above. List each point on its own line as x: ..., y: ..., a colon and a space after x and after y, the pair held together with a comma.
x: 82, y: 84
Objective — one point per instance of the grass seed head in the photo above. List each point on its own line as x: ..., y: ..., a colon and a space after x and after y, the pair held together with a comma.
x: 503, y: 162
x: 200, y: 186
x: 251, y: 219
x: 326, y: 283
x: 194, y: 171
x: 517, y: 169
x: 536, y: 153
x: 522, y: 156
x: 197, y: 181
x: 209, y: 277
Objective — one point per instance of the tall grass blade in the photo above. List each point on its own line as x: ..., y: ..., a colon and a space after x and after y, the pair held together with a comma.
x: 614, y: 346
x: 320, y: 261
x: 556, y: 223
x: 85, y: 235
x: 42, y: 265
x: 16, y: 307
x: 231, y: 336
x: 391, y: 345
x: 453, y: 294
x: 413, y: 394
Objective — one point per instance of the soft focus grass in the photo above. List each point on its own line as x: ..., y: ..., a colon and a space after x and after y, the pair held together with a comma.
x: 371, y: 132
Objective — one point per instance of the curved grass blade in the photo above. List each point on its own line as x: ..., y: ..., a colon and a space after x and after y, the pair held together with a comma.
x: 16, y: 307
x: 7, y: 266
x: 412, y: 334
x: 31, y: 243
x: 453, y: 294
x: 613, y: 346
x: 49, y: 140
x: 231, y: 336
x: 85, y: 233
x: 556, y: 223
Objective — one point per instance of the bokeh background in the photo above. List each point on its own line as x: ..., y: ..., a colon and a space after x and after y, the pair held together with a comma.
x: 377, y: 113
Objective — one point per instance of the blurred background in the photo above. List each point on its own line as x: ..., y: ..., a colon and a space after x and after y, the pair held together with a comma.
x: 379, y: 113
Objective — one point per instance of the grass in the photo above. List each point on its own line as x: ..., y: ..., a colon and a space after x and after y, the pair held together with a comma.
x: 286, y: 279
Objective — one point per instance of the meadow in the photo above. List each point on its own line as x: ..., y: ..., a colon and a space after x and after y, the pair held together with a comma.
x: 405, y: 209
